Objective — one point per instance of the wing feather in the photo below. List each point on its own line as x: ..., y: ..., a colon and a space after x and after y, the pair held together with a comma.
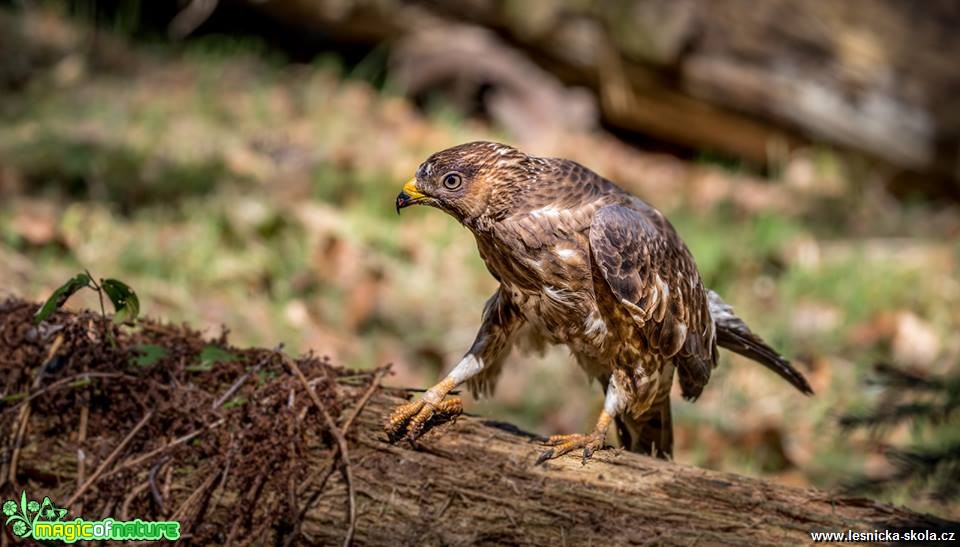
x: 652, y: 276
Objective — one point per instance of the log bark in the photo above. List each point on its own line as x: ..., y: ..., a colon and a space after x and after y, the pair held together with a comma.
x: 474, y: 481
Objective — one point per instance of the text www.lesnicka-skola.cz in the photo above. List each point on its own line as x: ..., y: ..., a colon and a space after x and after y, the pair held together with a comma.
x: 883, y: 536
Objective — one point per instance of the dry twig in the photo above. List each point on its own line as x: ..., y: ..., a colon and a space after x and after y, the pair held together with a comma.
x: 81, y: 453
x: 154, y: 489
x: 113, y: 455
x: 76, y: 378
x: 125, y: 506
x: 238, y: 383
x: 328, y: 469
x: 374, y: 384
x: 179, y: 440
x: 341, y: 445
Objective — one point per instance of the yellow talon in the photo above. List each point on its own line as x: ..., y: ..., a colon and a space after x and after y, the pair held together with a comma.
x: 413, y: 419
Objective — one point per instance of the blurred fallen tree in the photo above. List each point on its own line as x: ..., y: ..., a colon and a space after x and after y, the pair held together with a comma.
x: 930, y: 464
x: 729, y: 76
x: 526, y: 100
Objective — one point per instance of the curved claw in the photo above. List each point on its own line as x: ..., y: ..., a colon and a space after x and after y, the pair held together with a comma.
x: 544, y: 456
x: 396, y: 424
x: 413, y: 419
x: 562, y: 444
x: 588, y: 450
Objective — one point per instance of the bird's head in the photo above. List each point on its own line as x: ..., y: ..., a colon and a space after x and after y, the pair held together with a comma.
x: 470, y: 181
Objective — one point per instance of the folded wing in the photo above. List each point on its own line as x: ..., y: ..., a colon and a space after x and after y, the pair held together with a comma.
x: 653, y: 278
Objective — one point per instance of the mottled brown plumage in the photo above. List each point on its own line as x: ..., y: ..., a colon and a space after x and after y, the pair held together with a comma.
x: 584, y: 264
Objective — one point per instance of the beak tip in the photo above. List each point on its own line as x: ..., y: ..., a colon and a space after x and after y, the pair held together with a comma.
x: 402, y: 201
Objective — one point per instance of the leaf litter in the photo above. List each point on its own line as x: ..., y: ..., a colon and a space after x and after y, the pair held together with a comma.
x: 169, y: 425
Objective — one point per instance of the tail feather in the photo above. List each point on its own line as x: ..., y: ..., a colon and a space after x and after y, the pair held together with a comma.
x: 651, y: 433
x: 736, y: 336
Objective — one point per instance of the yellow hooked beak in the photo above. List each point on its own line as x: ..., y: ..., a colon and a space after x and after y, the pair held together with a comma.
x: 409, y: 195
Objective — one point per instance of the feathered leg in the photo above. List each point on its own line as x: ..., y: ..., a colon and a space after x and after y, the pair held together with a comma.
x: 492, y: 344
x: 613, y: 405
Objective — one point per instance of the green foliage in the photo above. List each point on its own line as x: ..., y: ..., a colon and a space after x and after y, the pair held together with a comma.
x: 931, y: 462
x: 124, y: 300
x: 149, y: 355
x: 728, y: 245
x: 120, y: 16
x: 264, y: 376
x: 235, y: 402
x: 860, y: 292
x: 126, y: 305
x: 60, y: 296
x: 211, y: 355
x: 121, y: 175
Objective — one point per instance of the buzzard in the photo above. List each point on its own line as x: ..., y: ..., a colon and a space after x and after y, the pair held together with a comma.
x: 583, y: 263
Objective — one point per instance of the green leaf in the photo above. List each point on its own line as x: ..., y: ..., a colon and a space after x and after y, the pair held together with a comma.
x: 149, y: 354
x: 235, y: 402
x: 13, y: 397
x: 60, y: 296
x: 210, y: 355
x: 23, y: 503
x: 124, y: 300
x: 264, y: 376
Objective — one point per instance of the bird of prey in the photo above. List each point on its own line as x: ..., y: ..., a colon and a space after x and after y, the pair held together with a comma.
x: 585, y: 264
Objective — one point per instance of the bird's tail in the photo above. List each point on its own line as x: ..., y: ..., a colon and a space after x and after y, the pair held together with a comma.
x: 650, y: 433
x: 736, y: 336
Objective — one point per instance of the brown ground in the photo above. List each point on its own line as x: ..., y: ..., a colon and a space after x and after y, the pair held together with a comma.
x: 65, y: 389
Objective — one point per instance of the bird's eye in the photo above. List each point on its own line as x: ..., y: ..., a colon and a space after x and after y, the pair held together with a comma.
x: 452, y: 181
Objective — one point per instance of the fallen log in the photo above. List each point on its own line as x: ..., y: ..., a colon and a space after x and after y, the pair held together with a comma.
x: 475, y: 481
x: 249, y: 446
x: 724, y: 75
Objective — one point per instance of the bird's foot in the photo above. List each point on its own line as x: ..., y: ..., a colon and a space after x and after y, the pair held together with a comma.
x: 561, y: 444
x: 413, y: 419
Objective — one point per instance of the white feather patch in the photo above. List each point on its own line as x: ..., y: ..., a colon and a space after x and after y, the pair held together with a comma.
x: 534, y: 264
x: 558, y: 295
x: 614, y: 402
x: 594, y: 325
x: 546, y: 211
x: 565, y: 254
x: 467, y: 368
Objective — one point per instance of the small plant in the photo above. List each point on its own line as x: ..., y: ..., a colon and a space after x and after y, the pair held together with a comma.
x: 126, y: 305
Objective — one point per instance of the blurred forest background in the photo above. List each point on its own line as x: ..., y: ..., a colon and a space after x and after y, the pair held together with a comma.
x: 237, y: 163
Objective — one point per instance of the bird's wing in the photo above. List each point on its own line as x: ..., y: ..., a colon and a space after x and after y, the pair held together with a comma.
x: 654, y: 280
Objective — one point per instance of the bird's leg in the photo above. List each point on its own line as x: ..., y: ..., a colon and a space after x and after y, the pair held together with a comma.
x: 590, y: 442
x: 413, y: 419
x: 492, y: 344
